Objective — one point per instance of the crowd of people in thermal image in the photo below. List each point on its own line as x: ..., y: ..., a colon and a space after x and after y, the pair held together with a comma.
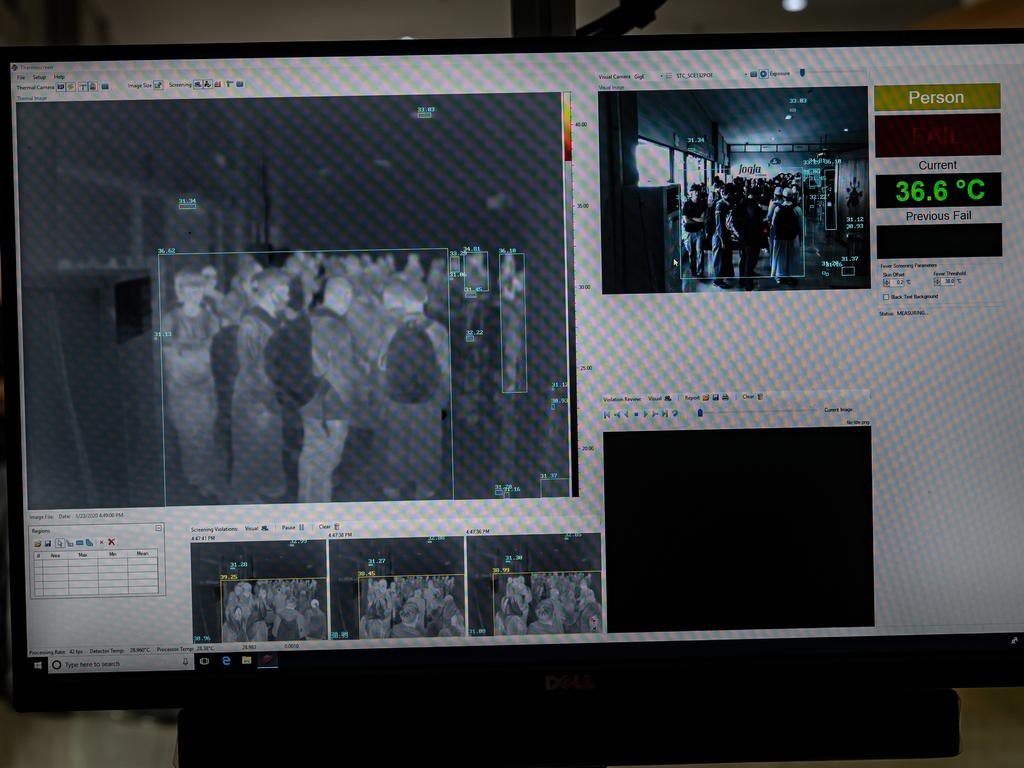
x: 748, y: 215
x: 273, y: 609
x: 266, y: 381
x: 411, y: 606
x: 547, y: 604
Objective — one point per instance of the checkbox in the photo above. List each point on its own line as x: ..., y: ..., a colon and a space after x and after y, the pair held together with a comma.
x: 885, y: 297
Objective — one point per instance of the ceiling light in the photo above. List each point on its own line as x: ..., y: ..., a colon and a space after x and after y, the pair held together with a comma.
x: 793, y: 6
x: 846, y: 130
x: 789, y: 117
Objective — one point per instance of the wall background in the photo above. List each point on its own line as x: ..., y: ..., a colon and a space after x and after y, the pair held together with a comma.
x: 162, y: 21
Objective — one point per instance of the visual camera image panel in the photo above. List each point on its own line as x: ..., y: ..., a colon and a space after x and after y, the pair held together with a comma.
x: 280, y: 300
x: 734, y: 190
x: 248, y: 592
x: 546, y: 584
x: 397, y: 588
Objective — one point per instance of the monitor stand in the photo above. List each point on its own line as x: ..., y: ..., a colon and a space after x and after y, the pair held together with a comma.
x: 572, y: 728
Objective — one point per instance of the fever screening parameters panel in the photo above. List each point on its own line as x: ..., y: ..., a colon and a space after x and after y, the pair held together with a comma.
x: 638, y: 345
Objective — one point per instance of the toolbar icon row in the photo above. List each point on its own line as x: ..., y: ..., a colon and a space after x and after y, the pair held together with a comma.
x: 82, y: 86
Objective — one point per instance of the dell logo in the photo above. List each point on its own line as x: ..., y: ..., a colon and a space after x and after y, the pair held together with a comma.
x: 568, y: 683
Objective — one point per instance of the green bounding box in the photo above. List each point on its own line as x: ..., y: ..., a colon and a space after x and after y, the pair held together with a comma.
x: 893, y: 98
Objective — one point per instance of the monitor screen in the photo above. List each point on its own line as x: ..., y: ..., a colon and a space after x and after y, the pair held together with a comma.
x: 412, y: 348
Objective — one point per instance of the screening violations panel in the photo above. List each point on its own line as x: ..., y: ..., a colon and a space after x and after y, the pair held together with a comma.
x: 938, y: 191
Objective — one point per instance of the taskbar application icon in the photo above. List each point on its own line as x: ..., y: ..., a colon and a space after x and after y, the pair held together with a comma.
x: 266, y: 660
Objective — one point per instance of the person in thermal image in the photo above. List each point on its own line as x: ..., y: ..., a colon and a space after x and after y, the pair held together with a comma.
x: 327, y: 416
x: 257, y: 472
x: 410, y: 621
x: 212, y: 296
x: 188, y: 332
x: 413, y: 368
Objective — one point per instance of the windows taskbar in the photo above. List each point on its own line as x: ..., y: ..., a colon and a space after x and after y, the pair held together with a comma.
x: 582, y: 651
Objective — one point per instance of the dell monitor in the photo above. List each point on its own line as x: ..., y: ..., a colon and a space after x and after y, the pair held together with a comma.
x: 514, y: 366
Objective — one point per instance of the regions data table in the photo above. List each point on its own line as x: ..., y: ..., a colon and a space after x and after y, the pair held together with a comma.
x: 96, y: 573
x: 103, y: 560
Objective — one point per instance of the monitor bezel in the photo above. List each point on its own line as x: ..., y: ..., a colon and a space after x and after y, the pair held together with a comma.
x: 916, y: 660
